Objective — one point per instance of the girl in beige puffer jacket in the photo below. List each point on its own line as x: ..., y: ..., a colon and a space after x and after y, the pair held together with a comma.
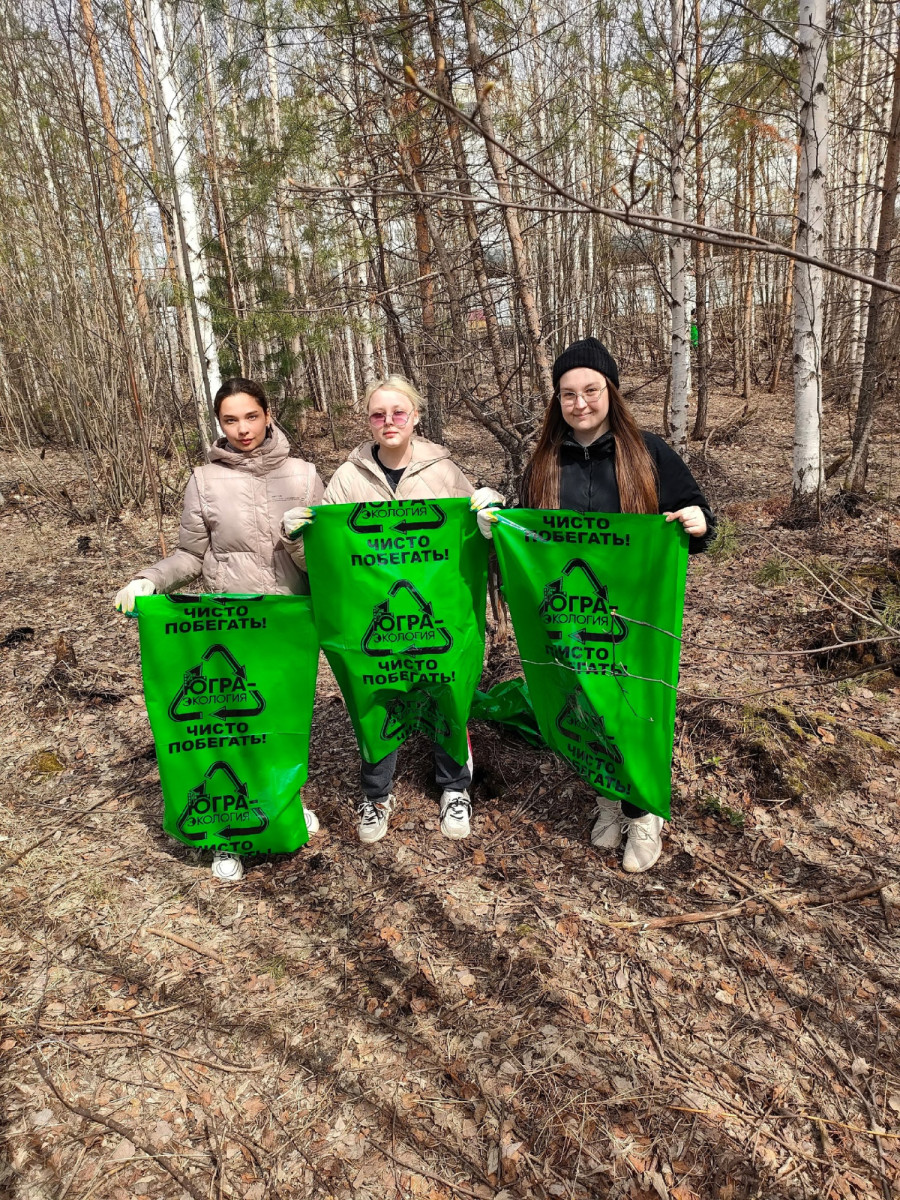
x: 231, y: 524
x: 397, y: 465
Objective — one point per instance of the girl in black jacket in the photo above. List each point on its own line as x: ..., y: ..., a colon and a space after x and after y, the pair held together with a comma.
x: 591, y: 457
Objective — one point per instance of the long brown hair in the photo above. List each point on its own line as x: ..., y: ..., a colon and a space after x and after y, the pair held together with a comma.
x: 636, y: 476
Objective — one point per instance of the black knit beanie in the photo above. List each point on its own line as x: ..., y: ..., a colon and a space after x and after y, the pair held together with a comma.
x: 588, y: 353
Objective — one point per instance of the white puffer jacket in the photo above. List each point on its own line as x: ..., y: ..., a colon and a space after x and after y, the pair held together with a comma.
x: 231, y: 524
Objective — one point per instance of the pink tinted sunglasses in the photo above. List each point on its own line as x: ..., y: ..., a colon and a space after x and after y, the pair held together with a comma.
x: 398, y: 418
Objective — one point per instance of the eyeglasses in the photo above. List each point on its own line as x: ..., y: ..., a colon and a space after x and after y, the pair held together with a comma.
x: 399, y: 418
x: 591, y: 395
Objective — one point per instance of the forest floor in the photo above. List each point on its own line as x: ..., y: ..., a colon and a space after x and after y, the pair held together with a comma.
x: 507, y: 1017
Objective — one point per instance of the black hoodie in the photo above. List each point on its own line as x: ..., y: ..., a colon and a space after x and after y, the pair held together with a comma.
x: 588, y: 480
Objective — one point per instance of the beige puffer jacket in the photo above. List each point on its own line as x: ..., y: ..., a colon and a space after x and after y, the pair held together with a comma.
x: 231, y: 524
x: 431, y: 475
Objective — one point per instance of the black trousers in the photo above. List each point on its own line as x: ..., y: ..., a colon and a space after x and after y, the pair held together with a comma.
x: 449, y: 775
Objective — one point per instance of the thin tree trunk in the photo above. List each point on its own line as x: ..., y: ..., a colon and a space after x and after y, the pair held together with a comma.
x: 737, y: 274
x: 784, y: 320
x: 120, y: 318
x: 875, y: 357
x: 521, y: 270
x: 202, y: 344
x: 115, y: 159
x: 443, y: 88
x: 747, y: 343
x: 808, y: 280
x: 409, y: 143
x: 211, y: 132
x: 149, y: 133
x: 288, y: 244
x: 702, y: 418
x: 681, y: 345
x: 387, y: 304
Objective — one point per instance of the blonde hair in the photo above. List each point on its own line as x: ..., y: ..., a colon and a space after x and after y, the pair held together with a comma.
x: 396, y: 383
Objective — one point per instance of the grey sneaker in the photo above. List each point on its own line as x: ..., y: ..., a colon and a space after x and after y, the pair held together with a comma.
x: 456, y: 808
x: 644, y: 844
x: 607, y: 831
x: 373, y: 818
x: 227, y: 867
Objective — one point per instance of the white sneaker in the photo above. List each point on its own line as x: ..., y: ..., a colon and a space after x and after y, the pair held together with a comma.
x: 456, y: 808
x: 607, y: 831
x: 312, y: 821
x: 373, y: 818
x: 227, y: 867
x: 644, y: 844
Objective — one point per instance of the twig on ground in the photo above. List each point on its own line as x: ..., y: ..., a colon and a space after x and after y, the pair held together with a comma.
x: 457, y: 1187
x: 94, y: 1031
x: 189, y: 943
x: 750, y: 907
x: 122, y: 1130
x: 108, y: 1020
x: 646, y: 1021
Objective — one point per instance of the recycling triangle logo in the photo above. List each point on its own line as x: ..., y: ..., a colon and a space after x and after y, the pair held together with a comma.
x: 576, y: 607
x: 577, y: 721
x: 217, y: 687
x: 400, y: 516
x: 415, y: 710
x: 220, y: 799
x: 405, y: 624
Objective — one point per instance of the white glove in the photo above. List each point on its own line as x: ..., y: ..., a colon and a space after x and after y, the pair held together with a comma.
x: 295, y: 520
x: 484, y: 498
x: 126, y: 597
x: 481, y: 502
x: 691, y: 518
x: 486, y: 518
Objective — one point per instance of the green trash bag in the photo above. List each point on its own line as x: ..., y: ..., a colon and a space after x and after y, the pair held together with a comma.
x: 508, y: 704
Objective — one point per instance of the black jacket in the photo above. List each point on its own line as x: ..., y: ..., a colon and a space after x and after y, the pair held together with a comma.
x: 588, y: 480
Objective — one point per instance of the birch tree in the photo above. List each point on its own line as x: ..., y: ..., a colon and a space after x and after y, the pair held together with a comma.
x: 681, y: 346
x: 809, y: 293
x: 201, y: 343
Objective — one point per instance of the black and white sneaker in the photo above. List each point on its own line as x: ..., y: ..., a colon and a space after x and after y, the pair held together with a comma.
x: 456, y: 808
x: 373, y: 818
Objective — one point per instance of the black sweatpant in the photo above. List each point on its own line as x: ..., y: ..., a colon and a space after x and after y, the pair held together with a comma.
x: 449, y: 775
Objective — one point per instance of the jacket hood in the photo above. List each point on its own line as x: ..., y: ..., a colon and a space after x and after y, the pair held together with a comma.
x: 265, y: 458
x: 424, y: 453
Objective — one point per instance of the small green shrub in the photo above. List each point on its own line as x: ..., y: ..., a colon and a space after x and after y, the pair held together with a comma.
x: 716, y: 808
x: 726, y: 542
x: 774, y: 570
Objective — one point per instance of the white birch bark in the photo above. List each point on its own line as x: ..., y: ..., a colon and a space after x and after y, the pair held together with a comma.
x: 363, y: 309
x: 367, y: 318
x: 348, y: 335
x: 808, y: 298
x: 858, y: 174
x: 201, y: 342
x: 681, y: 347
